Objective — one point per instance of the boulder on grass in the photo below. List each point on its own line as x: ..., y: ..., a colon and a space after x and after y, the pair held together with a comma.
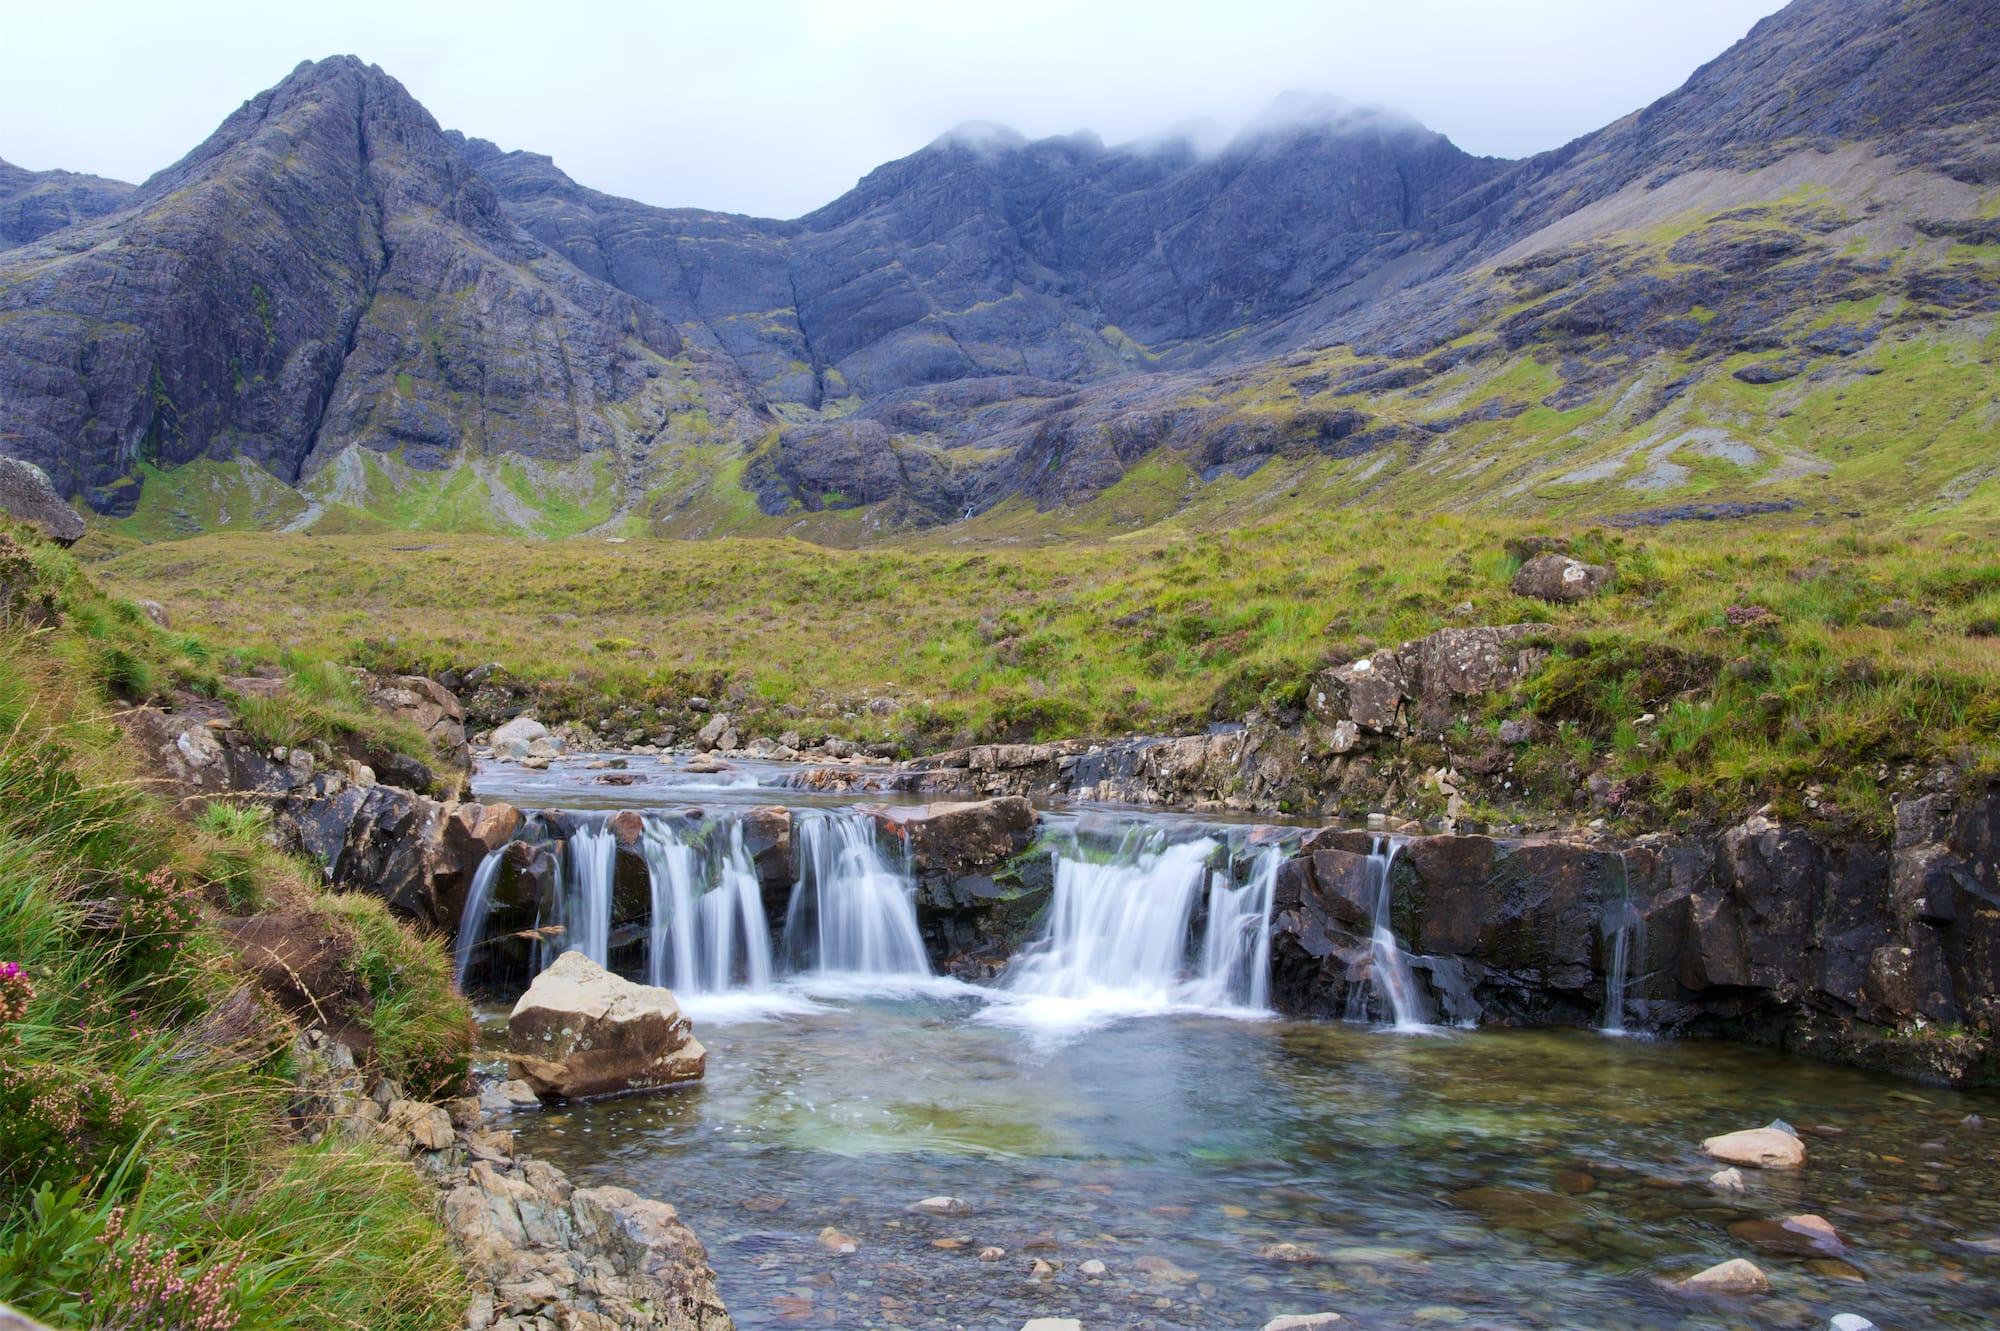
x: 1558, y: 578
x: 27, y: 495
x: 581, y: 1031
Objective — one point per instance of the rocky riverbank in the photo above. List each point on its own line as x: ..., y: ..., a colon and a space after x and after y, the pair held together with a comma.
x: 541, y: 1252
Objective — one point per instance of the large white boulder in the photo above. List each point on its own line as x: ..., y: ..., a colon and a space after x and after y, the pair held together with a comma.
x: 581, y: 1031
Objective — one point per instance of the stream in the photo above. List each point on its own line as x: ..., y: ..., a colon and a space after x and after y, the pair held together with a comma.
x: 1121, y: 1096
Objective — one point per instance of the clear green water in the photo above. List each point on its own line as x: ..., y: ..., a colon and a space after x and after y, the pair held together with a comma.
x: 1476, y: 1179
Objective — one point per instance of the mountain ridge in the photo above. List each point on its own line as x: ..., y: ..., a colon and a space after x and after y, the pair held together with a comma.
x: 993, y: 321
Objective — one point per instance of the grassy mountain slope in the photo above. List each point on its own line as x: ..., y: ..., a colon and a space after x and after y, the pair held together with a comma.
x: 143, y: 1082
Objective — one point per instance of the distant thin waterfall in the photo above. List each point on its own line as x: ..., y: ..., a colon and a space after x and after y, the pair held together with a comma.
x: 1389, y: 965
x: 851, y: 911
x: 472, y: 920
x: 1622, y: 925
x: 593, y: 861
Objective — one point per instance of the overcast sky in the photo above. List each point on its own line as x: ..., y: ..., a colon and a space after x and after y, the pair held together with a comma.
x: 774, y: 107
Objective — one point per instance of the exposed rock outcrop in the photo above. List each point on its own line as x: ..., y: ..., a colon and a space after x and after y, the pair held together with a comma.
x: 26, y: 495
x: 1848, y: 951
x: 540, y: 1251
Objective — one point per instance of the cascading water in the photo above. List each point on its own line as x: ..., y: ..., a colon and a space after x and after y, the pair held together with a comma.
x: 1622, y: 925
x: 1236, y: 947
x: 472, y: 920
x: 1389, y: 965
x: 707, y: 931
x: 1118, y: 937
x: 592, y: 863
x: 850, y: 911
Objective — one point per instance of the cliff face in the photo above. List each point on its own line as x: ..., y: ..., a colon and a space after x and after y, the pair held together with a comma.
x: 331, y: 275
x: 985, y: 255
x: 323, y: 271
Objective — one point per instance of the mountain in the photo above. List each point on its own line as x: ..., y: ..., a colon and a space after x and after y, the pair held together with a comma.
x: 334, y: 311
x: 323, y: 273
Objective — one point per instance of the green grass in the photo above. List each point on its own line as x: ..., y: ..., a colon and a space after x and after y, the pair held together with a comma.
x: 140, y: 1096
x: 1173, y: 627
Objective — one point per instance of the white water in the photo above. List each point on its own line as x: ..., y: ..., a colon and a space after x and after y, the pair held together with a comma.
x: 1236, y: 948
x: 1388, y: 965
x: 472, y: 920
x: 1621, y: 924
x: 851, y: 912
x: 593, y: 858
x: 1118, y: 941
x: 708, y: 933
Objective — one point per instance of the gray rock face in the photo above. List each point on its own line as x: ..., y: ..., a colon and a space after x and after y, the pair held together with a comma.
x: 984, y: 319
x: 27, y: 496
x: 1420, y: 683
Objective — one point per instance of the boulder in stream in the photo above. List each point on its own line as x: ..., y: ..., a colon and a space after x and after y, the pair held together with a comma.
x: 1735, y: 1276
x: 581, y: 1031
x: 1757, y: 1148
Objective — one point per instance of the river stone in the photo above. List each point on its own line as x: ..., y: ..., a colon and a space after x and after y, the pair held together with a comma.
x: 513, y: 739
x: 1851, y: 1322
x: 1758, y: 1148
x: 581, y: 1031
x: 27, y: 495
x: 710, y: 736
x: 1558, y: 578
x: 1728, y: 1180
x: 1092, y: 1268
x: 1793, y: 1236
x: 1052, y: 1324
x: 1302, y: 1322
x: 939, y: 1206
x: 837, y: 1243
x: 1735, y: 1276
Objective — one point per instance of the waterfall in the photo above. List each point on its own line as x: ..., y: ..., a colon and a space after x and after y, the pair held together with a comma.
x: 707, y: 931
x: 593, y: 861
x: 675, y: 870
x: 472, y: 920
x: 850, y: 911
x: 1389, y: 965
x: 1118, y: 940
x: 1621, y: 923
x: 1236, y: 948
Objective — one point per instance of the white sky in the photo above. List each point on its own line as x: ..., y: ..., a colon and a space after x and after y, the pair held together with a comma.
x: 775, y: 107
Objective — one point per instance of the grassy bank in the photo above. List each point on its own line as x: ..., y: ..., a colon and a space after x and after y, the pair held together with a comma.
x: 1811, y: 664
x: 145, y: 1174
